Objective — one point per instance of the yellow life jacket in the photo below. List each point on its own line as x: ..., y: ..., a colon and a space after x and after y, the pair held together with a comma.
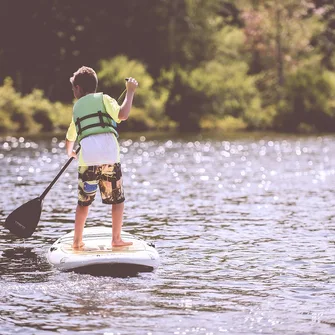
x: 91, y: 118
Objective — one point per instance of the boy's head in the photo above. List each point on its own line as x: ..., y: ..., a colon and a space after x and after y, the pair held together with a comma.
x: 84, y: 81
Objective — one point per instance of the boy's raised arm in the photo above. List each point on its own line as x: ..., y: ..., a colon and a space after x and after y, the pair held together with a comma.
x: 131, y: 86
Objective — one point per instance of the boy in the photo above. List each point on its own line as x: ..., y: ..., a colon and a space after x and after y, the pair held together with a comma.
x: 93, y: 125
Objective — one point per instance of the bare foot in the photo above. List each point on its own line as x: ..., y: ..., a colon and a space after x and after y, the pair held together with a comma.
x: 121, y: 243
x: 78, y: 246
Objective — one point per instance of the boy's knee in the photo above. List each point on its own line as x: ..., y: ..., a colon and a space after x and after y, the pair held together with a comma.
x: 118, y: 206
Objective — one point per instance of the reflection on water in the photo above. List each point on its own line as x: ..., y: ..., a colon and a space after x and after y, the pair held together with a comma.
x: 23, y: 264
x: 244, y: 226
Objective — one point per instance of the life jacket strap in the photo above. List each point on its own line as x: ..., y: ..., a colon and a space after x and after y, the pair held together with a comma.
x: 102, y: 123
x: 79, y: 131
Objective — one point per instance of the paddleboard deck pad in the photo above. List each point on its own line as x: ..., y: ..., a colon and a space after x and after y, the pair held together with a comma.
x: 98, y: 257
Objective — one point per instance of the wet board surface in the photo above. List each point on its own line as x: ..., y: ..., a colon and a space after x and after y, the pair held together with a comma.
x: 98, y: 255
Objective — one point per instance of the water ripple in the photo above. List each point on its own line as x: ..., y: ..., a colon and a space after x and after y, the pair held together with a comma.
x: 244, y: 226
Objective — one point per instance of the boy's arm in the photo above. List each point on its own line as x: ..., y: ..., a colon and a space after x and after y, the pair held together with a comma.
x: 69, y: 148
x: 131, y: 86
x: 71, y: 136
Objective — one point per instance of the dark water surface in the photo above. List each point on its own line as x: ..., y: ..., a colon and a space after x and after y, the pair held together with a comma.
x: 245, y: 227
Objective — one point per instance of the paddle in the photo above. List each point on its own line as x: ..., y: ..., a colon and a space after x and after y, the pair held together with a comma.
x: 23, y: 221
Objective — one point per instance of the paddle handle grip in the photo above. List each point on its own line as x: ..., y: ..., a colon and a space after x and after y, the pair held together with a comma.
x: 42, y: 196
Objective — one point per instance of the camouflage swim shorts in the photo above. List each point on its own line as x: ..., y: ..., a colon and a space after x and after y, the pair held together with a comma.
x: 107, y: 177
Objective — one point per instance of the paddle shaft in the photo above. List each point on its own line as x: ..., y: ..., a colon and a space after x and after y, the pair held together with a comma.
x: 42, y: 196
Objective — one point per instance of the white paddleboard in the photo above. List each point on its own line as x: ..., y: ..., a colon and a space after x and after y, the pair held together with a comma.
x: 99, y: 257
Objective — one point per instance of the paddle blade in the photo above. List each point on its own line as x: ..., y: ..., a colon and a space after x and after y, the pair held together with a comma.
x: 23, y: 221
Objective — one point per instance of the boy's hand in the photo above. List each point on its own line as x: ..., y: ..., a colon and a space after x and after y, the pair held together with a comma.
x: 72, y: 154
x: 131, y: 84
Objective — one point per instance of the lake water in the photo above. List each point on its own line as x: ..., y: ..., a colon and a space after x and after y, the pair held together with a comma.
x: 244, y: 225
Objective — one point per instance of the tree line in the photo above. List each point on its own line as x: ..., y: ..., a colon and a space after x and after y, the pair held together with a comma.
x: 201, y: 64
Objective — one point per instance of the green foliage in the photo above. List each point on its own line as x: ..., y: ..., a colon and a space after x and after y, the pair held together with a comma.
x: 30, y: 113
x: 61, y: 115
x: 253, y: 64
x: 212, y: 89
x: 324, y: 40
x: 230, y: 45
x: 227, y: 123
x: 8, y: 106
x: 47, y: 116
x: 149, y: 100
x: 112, y: 76
x: 309, y: 100
x: 260, y: 118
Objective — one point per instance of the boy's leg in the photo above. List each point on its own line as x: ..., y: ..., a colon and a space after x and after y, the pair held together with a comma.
x: 111, y: 189
x: 81, y: 216
x: 87, y: 188
x: 117, y: 219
